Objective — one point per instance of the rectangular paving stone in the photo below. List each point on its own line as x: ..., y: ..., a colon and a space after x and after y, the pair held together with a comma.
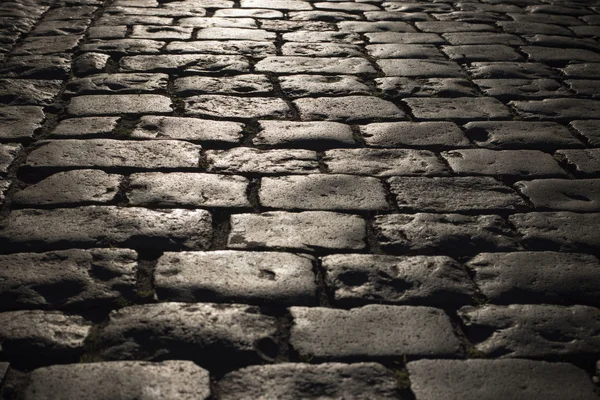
x: 36, y: 92
x: 508, y: 163
x: 319, y: 37
x: 107, y: 32
x: 372, y: 332
x: 400, y: 87
x: 8, y: 153
x: 190, y: 129
x: 170, y: 63
x: 20, y: 122
x: 347, y: 109
x: 404, y: 38
x: 76, y: 187
x: 460, y: 108
x: 533, y: 331
x: 562, y: 231
x: 559, y: 55
x: 67, y: 279
x: 217, y: 22
x: 518, y: 135
x: 303, y: 65
x: 306, y: 231
x: 222, y: 106
x: 421, y: 68
x: 585, y: 162
x: 578, y: 195
x: 453, y: 234
x: 482, y: 38
x: 161, y: 32
x: 119, y: 104
x: 322, y: 85
x: 323, y: 49
x: 85, y: 127
x: 236, y: 276
x: 255, y: 161
x: 410, y: 51
x: 513, y: 379
x: 451, y: 194
x: 209, y: 334
x: 34, y: 45
x: 234, y: 34
x: 453, y: 26
x: 258, y: 13
x: 414, y: 134
x: 49, y: 66
x: 585, y: 70
x: 187, y: 189
x: 109, y: 153
x: 481, y: 52
x: 323, y: 192
x: 118, y: 83
x: 589, y: 129
x: 383, y: 162
x: 117, y: 20
x: 250, y: 48
x: 316, y: 134
x: 103, y: 226
x: 537, y: 277
x: 584, y: 87
x: 359, y: 279
x: 240, y: 84
x: 170, y: 379
x: 522, y: 88
x: 506, y: 70
x: 123, y: 46
x: 377, y: 26
x: 277, y: 4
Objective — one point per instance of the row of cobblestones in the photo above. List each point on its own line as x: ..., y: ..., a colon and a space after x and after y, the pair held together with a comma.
x: 285, y: 199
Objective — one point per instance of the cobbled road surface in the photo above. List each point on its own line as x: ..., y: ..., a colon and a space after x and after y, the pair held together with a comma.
x: 292, y: 199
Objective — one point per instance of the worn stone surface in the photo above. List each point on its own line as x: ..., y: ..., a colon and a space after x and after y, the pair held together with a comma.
x: 462, y: 108
x: 513, y: 379
x: 101, y: 226
x: 537, y: 277
x: 421, y: 68
x: 129, y: 379
x: 119, y: 104
x: 190, y: 129
x: 322, y: 85
x: 347, y: 109
x: 584, y: 162
x: 372, y: 332
x: 222, y: 106
x: 307, y: 231
x: 411, y: 134
x: 589, y: 129
x: 557, y: 108
x: 29, y: 92
x: 358, y: 279
x: 538, y: 331
x: 444, y: 233
x: 562, y: 194
x: 209, y: 334
x: 303, y: 65
x: 292, y: 381
x: 312, y: 134
x: 118, y: 83
x: 199, y: 63
x: 236, y: 276
x: 66, y: 279
x: 254, y: 161
x: 85, y: 127
x: 18, y: 123
x: 242, y: 84
x: 8, y: 152
x: 400, y: 87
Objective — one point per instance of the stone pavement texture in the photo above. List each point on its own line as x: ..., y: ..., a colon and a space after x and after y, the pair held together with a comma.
x: 300, y: 199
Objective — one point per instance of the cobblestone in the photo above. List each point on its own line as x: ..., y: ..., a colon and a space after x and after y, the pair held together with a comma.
x: 18, y: 123
x: 119, y: 104
x: 304, y: 134
x: 249, y: 160
x: 190, y: 129
x: 585, y: 162
x: 563, y: 194
x: 347, y: 109
x: 410, y: 134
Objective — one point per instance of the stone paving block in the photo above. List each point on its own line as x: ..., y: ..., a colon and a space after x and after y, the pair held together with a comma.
x: 240, y: 84
x: 161, y: 32
x: 306, y: 231
x: 529, y: 28
x: 589, y: 129
x: 420, y: 68
x: 324, y: 49
x: 277, y: 4
x: 222, y: 106
x: 85, y: 127
x: 234, y: 34
x: 377, y: 26
x: 586, y: 70
x: 8, y: 153
x: 103, y: 226
x: 313, y: 65
x: 201, y: 63
x: 118, y: 83
x: 119, y: 104
x: 123, y: 46
x: 322, y: 85
x: 36, y: 45
x: 57, y: 66
x: 230, y: 47
x: 181, y: 380
x: 346, y: 6
x: 585, y: 161
x: 498, y: 379
x: 517, y: 135
x: 414, y: 134
x: 90, y: 63
x: 217, y: 22
x: 37, y: 337
x: 580, y: 195
x: 383, y: 162
x: 61, y: 28
x: 565, y: 42
x: 444, y: 233
x: 398, y: 87
x: 319, y: 37
x: 460, y: 108
x: 73, y: 12
x: 212, y: 335
x: 323, y: 192
x: 289, y: 381
x: 107, y: 32
x: 396, y: 16
x: 484, y: 52
x: 236, y: 276
x: 29, y: 91
x: 507, y: 163
x: 20, y: 122
x: 257, y: 13
x: 118, y: 20
x: 358, y: 279
x: 533, y: 331
x: 521, y: 88
x: 372, y: 332
x: 187, y: 189
x: 294, y: 25
x: 67, y: 279
x: 482, y: 38
x: 558, y: 231
x: 410, y: 51
x: 404, y: 38
x: 537, y: 277
x: 585, y: 87
x: 510, y: 70
x: 69, y: 188
x: 191, y: 129
x: 255, y: 161
x: 559, y: 55
x: 451, y: 194
x: 109, y: 153
x: 304, y: 134
x: 4, y: 185
x: 347, y: 109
